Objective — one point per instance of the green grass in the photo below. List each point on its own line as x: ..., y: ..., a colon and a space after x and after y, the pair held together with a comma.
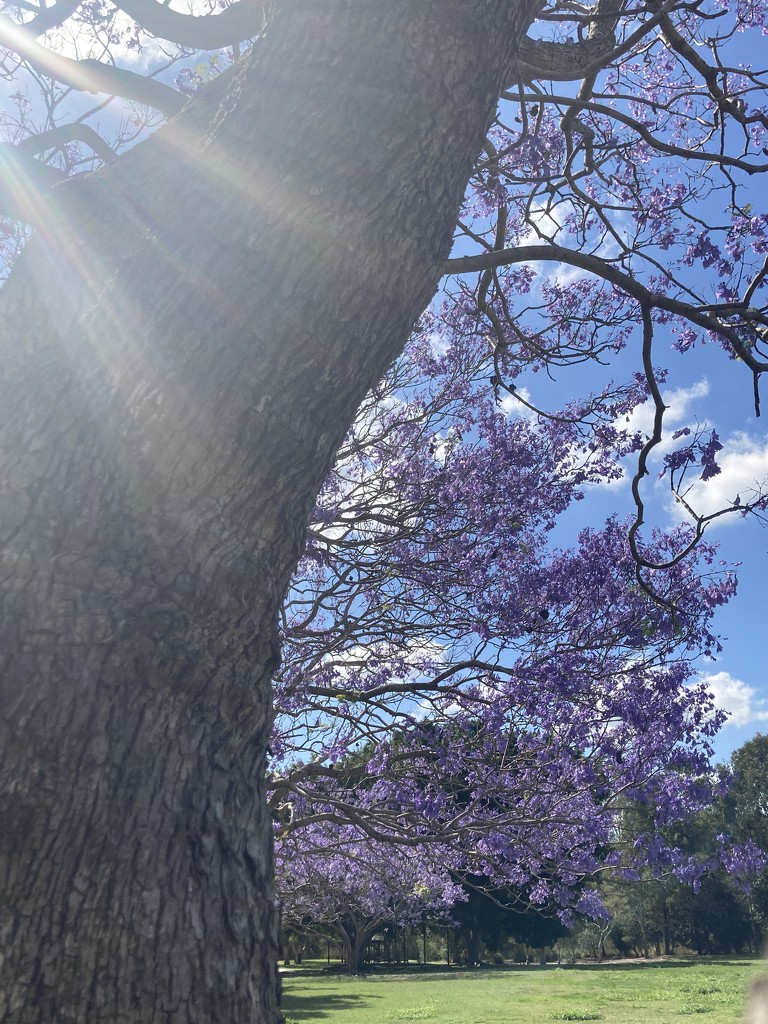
x: 665, y: 992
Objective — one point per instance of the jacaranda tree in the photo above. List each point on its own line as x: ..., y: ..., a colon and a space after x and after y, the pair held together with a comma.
x: 356, y: 888
x: 451, y: 680
x: 187, y: 336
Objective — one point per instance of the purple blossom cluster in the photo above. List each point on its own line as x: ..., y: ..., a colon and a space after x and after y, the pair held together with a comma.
x: 355, y: 886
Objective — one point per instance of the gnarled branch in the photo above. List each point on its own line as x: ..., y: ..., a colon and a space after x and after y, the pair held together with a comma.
x: 242, y: 20
x: 608, y: 272
x: 89, y: 75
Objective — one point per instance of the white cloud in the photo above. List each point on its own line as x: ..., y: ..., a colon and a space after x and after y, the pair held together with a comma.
x: 678, y: 412
x: 678, y: 403
x: 548, y: 222
x: 414, y: 653
x: 565, y: 274
x: 743, y: 460
x: 78, y: 42
x: 511, y: 405
x: 545, y: 220
x: 743, y: 469
x: 737, y: 698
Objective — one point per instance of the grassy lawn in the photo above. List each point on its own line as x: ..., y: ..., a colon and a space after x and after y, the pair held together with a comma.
x: 665, y: 992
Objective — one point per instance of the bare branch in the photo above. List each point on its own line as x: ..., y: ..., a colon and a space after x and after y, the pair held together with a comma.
x: 77, y: 132
x: 51, y: 17
x: 612, y: 274
x: 727, y: 104
x: 642, y: 463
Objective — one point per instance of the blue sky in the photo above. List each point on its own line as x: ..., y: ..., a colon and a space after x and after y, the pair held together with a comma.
x: 704, y: 387
x: 708, y: 389
x: 739, y: 676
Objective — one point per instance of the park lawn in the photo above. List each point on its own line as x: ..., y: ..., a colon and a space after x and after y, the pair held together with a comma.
x: 665, y: 992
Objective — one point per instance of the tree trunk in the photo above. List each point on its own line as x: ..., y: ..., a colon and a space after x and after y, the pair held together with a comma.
x: 353, y: 941
x: 474, y: 947
x: 184, y: 343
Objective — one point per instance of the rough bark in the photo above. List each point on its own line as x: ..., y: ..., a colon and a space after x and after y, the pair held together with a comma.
x: 183, y: 347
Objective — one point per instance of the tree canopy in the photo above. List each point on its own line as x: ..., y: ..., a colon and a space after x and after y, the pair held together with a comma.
x: 502, y: 698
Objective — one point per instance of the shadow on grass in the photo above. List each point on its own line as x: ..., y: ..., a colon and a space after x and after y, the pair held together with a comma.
x: 485, y: 970
x: 645, y: 965
x: 371, y: 970
x: 306, y: 1008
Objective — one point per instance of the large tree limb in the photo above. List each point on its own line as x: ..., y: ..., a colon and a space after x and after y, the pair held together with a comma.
x: 64, y: 134
x: 46, y: 18
x: 25, y: 182
x: 547, y: 60
x: 205, y: 32
x: 89, y: 75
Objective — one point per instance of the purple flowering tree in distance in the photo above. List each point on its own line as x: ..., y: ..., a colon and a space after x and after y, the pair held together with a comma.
x: 454, y: 683
x: 187, y: 336
x: 356, y: 888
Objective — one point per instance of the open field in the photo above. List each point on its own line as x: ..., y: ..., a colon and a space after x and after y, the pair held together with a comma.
x: 673, y: 991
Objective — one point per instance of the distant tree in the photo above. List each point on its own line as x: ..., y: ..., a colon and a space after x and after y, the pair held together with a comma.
x: 487, y: 917
x: 723, y: 909
x: 712, y: 919
x: 745, y: 807
x: 356, y: 888
x: 744, y: 813
x: 639, y: 908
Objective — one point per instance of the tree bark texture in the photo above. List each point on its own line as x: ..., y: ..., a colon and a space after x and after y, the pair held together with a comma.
x: 184, y: 345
